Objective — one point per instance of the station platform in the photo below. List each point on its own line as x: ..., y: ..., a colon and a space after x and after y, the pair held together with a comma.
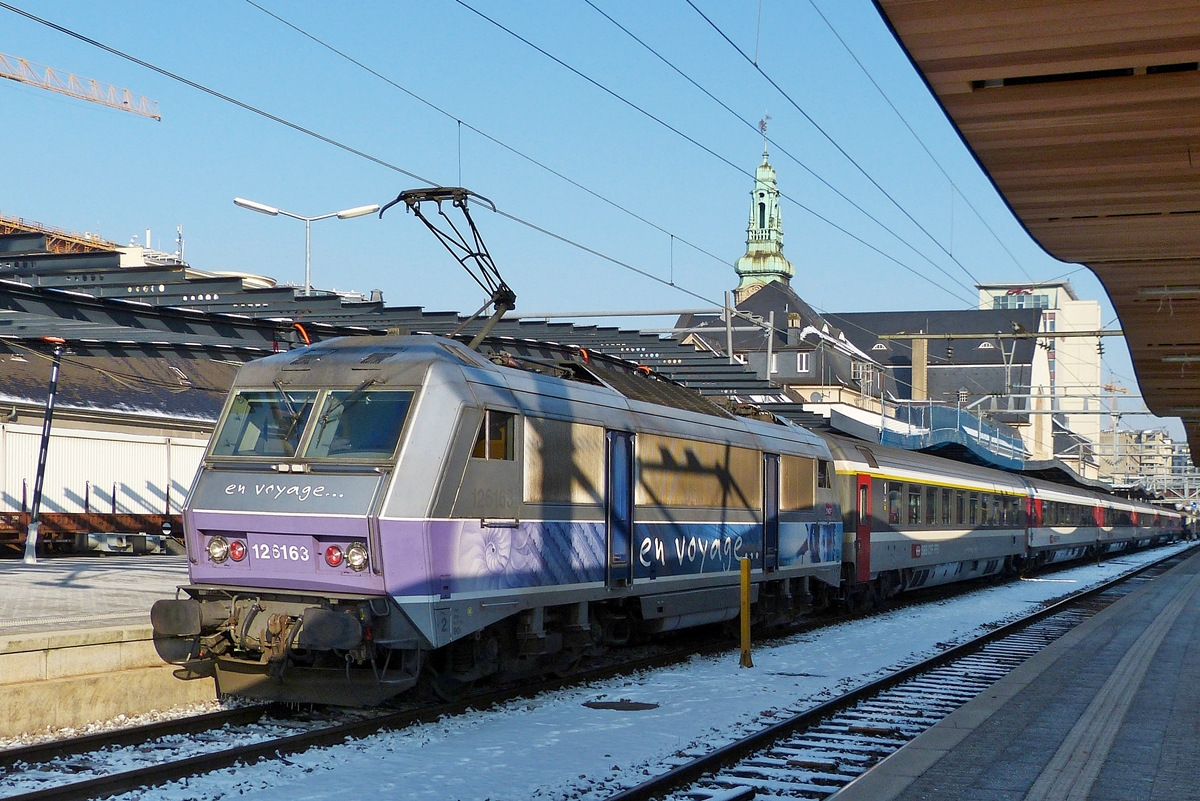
x: 83, y: 591
x: 1109, y: 712
x: 76, y: 646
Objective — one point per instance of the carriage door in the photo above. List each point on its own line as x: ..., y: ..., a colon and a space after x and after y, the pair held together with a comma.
x: 619, y: 514
x: 770, y: 511
x: 862, y: 541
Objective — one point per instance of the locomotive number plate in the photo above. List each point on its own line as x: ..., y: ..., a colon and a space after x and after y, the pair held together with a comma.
x: 284, y: 553
x: 281, y: 550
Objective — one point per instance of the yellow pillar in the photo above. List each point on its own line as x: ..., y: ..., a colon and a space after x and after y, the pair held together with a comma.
x: 746, y: 661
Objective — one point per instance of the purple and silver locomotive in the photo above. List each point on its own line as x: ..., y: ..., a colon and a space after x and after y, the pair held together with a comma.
x: 377, y: 512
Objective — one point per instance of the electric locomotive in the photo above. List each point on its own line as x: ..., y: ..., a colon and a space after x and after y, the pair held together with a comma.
x: 378, y: 512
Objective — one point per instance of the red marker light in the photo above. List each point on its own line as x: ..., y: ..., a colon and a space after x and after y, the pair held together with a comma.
x: 237, y: 550
x: 333, y: 556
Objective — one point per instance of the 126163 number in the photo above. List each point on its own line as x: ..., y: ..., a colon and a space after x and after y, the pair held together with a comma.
x: 283, y: 553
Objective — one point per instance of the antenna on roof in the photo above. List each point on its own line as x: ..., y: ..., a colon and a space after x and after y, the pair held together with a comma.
x: 471, y: 253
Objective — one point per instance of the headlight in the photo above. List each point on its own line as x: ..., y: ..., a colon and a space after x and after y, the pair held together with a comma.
x: 356, y: 556
x: 218, y: 549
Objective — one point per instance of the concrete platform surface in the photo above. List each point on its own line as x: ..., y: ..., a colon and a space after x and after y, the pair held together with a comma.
x: 73, y: 593
x: 1110, y: 712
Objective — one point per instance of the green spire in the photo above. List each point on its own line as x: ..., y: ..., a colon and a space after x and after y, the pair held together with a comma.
x: 764, y: 261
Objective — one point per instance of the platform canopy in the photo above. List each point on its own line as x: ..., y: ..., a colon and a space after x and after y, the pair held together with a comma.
x: 1086, y: 116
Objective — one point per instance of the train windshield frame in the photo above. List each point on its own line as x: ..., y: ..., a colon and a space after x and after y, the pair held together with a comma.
x: 356, y: 424
x: 264, y: 423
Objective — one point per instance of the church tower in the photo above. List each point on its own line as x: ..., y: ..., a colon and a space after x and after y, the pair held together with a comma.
x: 764, y: 261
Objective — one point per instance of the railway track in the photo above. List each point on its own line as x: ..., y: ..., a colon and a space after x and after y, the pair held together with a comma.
x: 82, y: 768
x: 815, y: 753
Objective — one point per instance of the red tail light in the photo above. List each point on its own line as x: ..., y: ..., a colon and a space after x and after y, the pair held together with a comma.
x: 334, y: 556
x: 237, y: 550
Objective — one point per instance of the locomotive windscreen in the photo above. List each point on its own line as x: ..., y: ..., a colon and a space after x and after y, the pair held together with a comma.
x: 264, y: 423
x: 359, y: 425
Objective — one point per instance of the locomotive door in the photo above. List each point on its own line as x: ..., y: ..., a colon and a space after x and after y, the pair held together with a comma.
x: 862, y: 535
x: 770, y: 511
x: 619, y: 511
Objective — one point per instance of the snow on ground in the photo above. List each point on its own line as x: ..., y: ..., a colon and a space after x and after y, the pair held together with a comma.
x: 553, y: 747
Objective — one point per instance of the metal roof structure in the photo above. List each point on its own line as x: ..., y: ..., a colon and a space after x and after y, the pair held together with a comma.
x: 1086, y: 117
x: 113, y: 333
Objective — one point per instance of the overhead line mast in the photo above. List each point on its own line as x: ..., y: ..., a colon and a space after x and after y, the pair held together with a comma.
x: 23, y: 71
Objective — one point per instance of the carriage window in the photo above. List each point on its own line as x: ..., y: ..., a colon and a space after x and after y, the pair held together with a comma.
x: 892, y: 494
x: 495, y: 438
x: 360, y: 425
x: 985, y: 508
x: 931, y: 494
x: 264, y: 424
x: 824, y: 474
x: 946, y: 494
x: 973, y: 507
x: 914, y: 504
x: 959, y: 504
x: 796, y: 474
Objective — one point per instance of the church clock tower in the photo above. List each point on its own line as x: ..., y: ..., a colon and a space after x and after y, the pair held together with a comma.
x: 764, y: 261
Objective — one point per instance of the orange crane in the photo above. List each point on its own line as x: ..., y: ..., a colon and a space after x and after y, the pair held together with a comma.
x: 22, y: 71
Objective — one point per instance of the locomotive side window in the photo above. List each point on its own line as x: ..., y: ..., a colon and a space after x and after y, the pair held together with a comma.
x: 264, y: 424
x: 359, y: 425
x: 824, y: 474
x: 692, y: 474
x: 496, y: 437
x: 796, y: 473
x: 564, y: 462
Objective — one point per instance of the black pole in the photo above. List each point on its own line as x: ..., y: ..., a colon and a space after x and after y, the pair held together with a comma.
x: 32, y: 536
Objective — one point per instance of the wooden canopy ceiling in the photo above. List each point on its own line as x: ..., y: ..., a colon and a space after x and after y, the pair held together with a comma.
x: 1086, y: 115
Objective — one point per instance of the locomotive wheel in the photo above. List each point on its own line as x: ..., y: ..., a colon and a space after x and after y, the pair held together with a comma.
x: 447, y: 688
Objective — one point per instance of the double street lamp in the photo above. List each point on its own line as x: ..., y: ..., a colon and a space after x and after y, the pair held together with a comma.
x: 345, y: 214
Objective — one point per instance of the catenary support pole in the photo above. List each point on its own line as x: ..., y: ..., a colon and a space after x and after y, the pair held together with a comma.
x: 31, y: 536
x: 729, y: 328
x: 746, y: 660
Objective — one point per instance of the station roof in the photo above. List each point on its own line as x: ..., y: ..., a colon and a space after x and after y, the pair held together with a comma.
x: 1086, y: 117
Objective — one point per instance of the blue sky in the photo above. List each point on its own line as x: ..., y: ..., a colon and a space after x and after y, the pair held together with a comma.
x: 87, y: 168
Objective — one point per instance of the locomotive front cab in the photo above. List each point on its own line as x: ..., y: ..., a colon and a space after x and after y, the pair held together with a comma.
x: 286, y: 565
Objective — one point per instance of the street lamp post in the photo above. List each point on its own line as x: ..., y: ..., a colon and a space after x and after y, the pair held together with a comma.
x: 345, y: 214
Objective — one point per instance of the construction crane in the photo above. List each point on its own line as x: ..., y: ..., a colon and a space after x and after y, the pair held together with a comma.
x: 22, y: 71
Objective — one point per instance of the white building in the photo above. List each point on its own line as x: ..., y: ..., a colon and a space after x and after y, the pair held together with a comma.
x: 1075, y: 370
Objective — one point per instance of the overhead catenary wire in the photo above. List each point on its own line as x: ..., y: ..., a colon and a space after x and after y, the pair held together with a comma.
x: 464, y: 124
x: 917, y: 136
x: 617, y: 96
x: 214, y: 93
x: 780, y: 148
x: 342, y: 146
x: 830, y: 139
x: 396, y: 168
